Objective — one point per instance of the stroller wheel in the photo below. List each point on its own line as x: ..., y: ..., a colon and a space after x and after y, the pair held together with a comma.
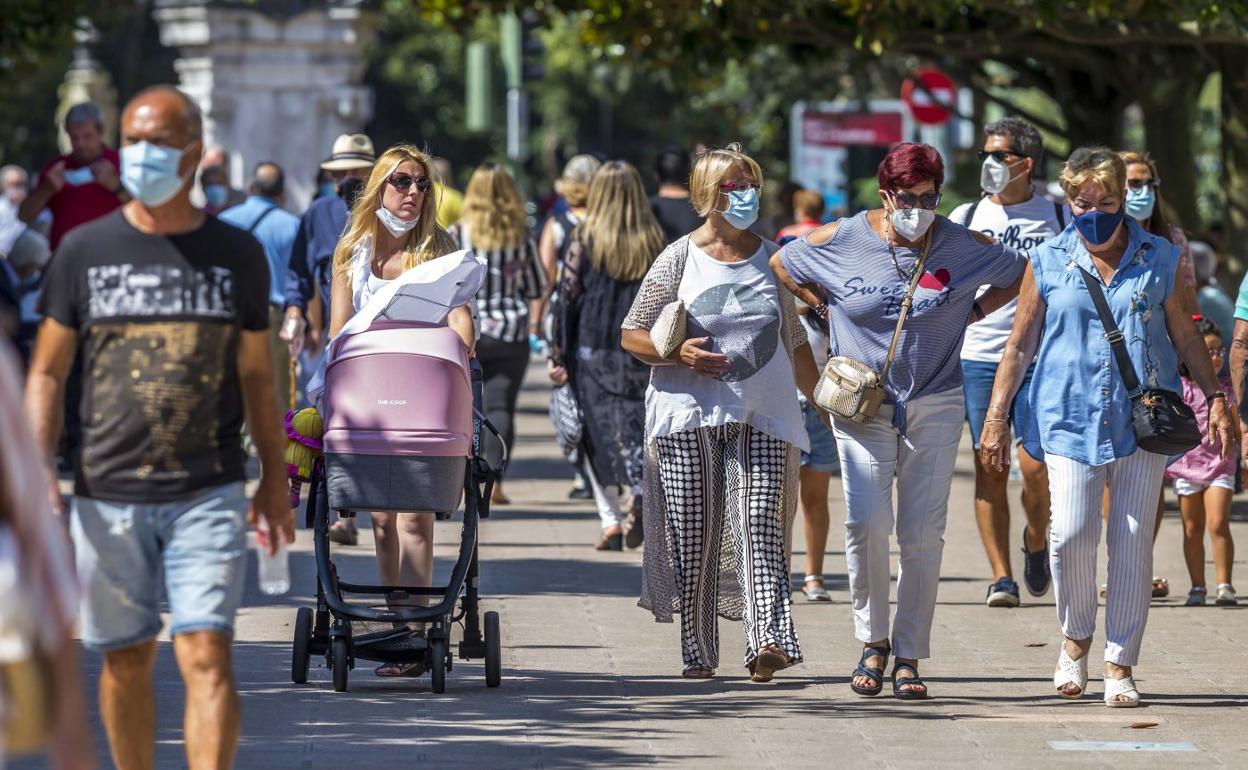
x: 339, y: 654
x: 493, y: 651
x: 437, y: 663
x: 300, y: 656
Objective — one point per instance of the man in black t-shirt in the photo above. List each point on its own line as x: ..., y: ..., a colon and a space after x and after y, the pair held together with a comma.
x: 671, y: 205
x: 168, y: 309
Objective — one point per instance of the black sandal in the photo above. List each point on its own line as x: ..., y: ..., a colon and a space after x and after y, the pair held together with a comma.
x: 904, y: 681
x: 876, y: 675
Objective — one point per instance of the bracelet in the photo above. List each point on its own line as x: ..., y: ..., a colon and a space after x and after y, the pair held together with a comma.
x: 998, y: 407
x: 821, y: 310
x: 1209, y: 399
x: 994, y: 419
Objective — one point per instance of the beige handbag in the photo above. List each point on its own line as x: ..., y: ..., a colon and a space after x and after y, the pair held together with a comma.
x: 850, y: 389
x: 669, y: 331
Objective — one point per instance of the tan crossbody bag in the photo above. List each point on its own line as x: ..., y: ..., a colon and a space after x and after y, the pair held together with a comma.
x: 851, y: 390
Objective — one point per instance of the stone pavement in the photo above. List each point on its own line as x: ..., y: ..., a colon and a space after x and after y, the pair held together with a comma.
x: 591, y: 681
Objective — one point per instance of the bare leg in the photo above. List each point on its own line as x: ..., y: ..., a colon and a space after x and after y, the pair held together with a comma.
x: 1036, y: 504
x: 992, y: 514
x: 128, y: 705
x: 1161, y: 510
x: 1192, y: 507
x: 415, y: 531
x: 212, y: 713
x: 1218, y: 511
x: 386, y: 543
x: 814, y: 491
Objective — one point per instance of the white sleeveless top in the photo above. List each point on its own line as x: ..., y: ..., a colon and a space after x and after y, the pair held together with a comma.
x: 363, y: 283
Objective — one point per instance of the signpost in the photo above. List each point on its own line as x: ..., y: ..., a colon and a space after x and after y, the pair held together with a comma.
x: 930, y: 95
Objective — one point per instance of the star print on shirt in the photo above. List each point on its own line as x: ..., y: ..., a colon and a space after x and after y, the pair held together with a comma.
x: 743, y: 324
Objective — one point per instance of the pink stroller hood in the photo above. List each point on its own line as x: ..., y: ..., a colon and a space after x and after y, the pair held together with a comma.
x: 399, y: 389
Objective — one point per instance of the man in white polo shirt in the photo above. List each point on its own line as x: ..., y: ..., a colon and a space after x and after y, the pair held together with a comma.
x: 1014, y: 211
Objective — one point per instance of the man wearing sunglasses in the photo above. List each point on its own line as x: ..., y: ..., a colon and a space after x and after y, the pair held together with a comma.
x: 1014, y: 212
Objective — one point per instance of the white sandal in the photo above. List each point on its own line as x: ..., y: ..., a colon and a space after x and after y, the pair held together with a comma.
x: 1118, y: 687
x: 1071, y: 671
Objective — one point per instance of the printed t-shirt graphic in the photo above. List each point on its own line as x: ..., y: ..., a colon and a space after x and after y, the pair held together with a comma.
x: 158, y: 319
x: 751, y: 326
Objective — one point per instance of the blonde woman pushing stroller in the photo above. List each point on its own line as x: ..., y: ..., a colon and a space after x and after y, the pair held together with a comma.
x: 393, y: 228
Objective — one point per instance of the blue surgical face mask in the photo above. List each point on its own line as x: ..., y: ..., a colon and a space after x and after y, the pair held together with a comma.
x: 149, y: 172
x: 742, y: 208
x: 1097, y: 227
x: 1140, y: 203
x: 216, y: 194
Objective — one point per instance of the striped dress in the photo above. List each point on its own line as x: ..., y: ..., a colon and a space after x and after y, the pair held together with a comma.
x: 513, y: 278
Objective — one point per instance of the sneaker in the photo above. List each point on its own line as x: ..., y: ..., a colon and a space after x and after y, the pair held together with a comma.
x: 1196, y: 597
x: 1003, y: 593
x: 1035, y: 568
x: 344, y: 532
x: 1226, y: 596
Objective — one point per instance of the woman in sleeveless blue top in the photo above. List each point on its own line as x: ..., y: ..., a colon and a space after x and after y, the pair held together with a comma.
x: 1084, y: 411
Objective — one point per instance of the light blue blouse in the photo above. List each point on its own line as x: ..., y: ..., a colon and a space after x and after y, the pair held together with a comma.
x: 1077, y: 392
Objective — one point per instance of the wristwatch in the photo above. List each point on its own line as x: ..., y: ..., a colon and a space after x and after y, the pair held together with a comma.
x: 1209, y: 399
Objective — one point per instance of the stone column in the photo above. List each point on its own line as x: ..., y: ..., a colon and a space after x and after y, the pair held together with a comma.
x: 277, y: 80
x: 86, y: 81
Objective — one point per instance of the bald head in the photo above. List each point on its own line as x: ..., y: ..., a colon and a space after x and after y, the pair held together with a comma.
x: 161, y: 115
x: 268, y: 180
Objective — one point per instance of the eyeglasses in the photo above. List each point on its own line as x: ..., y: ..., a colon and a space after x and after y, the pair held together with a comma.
x: 740, y: 184
x: 1139, y: 184
x: 999, y: 155
x: 402, y: 182
x: 1218, y: 351
x: 909, y: 201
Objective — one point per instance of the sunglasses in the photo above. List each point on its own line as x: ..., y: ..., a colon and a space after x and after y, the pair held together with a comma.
x: 740, y: 185
x: 999, y: 155
x: 1140, y: 184
x: 402, y: 182
x: 908, y: 201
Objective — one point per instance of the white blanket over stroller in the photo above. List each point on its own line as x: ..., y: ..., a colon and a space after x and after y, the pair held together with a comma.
x: 425, y: 294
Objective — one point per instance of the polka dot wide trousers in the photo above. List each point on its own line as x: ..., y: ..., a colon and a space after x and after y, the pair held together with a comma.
x: 730, y: 475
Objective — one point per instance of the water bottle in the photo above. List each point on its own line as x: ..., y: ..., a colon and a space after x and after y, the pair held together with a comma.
x: 274, y: 570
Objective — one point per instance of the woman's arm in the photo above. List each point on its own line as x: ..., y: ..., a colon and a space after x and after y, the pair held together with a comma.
x: 460, y: 319
x: 548, y: 252
x: 804, y: 292
x: 341, y: 303
x: 1223, y: 431
x: 999, y: 296
x: 994, y: 442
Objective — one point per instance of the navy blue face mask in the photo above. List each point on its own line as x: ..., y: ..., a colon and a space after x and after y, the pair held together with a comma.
x: 1096, y: 227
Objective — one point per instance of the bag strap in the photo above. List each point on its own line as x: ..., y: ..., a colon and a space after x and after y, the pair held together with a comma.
x: 1061, y: 217
x: 260, y: 218
x: 1112, y: 333
x: 909, y: 299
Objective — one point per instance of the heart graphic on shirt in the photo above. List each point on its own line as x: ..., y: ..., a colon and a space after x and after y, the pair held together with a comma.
x: 937, y: 281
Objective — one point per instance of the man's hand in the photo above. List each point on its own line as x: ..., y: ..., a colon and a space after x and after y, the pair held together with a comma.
x: 702, y: 361
x: 54, y: 179
x: 272, y: 501
x: 105, y: 174
x: 293, y: 330
x: 55, y: 501
x: 558, y: 374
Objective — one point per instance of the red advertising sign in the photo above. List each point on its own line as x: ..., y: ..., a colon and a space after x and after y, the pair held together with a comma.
x: 932, y: 103
x: 846, y: 129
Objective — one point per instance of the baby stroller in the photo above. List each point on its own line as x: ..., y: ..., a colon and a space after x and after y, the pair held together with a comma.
x: 401, y: 409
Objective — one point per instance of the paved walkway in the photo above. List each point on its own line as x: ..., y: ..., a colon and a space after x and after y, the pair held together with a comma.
x: 590, y: 681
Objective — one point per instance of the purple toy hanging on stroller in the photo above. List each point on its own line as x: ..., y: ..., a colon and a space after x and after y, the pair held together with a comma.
x: 401, y: 403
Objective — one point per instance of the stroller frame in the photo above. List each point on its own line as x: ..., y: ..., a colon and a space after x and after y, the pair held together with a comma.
x: 328, y: 630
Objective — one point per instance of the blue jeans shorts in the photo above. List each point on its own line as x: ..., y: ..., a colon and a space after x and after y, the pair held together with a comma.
x: 822, y: 455
x: 978, y: 377
x: 199, y: 543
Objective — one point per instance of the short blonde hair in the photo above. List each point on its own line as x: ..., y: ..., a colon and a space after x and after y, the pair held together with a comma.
x: 1094, y: 164
x: 712, y: 169
x: 808, y: 203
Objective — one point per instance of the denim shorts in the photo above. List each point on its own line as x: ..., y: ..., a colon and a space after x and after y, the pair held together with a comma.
x: 822, y: 455
x: 199, y: 544
x: 978, y: 377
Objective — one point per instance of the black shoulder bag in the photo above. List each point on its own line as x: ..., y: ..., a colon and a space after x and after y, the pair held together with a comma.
x: 1162, y: 422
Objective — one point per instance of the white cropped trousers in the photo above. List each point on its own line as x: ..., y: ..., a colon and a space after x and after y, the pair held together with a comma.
x: 1075, y: 533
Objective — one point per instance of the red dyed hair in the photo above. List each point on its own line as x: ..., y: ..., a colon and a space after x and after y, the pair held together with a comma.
x: 909, y: 164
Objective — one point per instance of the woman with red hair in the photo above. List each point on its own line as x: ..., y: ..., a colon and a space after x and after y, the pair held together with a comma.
x: 857, y: 273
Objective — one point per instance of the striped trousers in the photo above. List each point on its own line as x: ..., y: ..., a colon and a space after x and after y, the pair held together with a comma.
x: 730, y: 475
x: 1075, y: 533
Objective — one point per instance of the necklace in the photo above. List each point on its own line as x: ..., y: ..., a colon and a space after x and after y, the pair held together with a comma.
x: 892, y: 252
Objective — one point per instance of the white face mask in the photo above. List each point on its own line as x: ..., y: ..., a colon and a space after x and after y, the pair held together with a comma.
x: 995, y: 176
x: 397, y: 226
x: 912, y: 223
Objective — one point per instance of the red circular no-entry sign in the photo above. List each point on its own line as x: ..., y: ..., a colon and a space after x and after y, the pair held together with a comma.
x: 932, y: 103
